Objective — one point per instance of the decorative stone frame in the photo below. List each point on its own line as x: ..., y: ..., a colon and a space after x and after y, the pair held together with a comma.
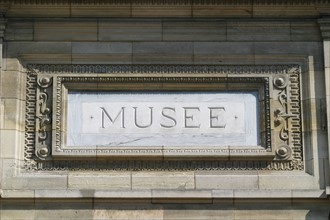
x: 280, y: 120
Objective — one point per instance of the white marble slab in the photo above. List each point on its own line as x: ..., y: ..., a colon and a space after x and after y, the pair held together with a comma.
x: 162, y: 119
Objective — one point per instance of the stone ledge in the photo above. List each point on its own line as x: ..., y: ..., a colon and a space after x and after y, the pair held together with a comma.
x: 164, y: 194
x: 328, y: 190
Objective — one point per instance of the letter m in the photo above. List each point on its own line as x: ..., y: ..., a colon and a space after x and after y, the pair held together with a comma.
x: 105, y: 114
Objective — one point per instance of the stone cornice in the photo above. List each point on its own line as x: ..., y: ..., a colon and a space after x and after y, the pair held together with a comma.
x: 325, y: 27
x: 2, y: 26
x: 164, y: 2
x: 165, y: 8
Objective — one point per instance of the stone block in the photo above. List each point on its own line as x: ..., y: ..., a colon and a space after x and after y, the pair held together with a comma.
x: 14, y: 49
x: 312, y: 118
x: 292, y: 48
x: 106, y: 210
x: 113, y: 180
x: 222, y: 194
x: 159, y: 11
x: 226, y: 48
x: 21, y: 30
x: 262, y: 209
x: 130, y: 194
x: 194, y: 31
x: 162, y: 52
x: 287, y: 180
x: 11, y: 180
x: 17, y: 194
x: 13, y: 85
x: 35, y: 182
x: 219, y: 180
x: 258, y: 31
x: 326, y: 165
x: 307, y: 30
x: 199, y: 211
x: 13, y: 114
x: 317, y: 84
x: 278, y: 59
x: 17, y: 209
x: 327, y: 80
x: 326, y: 49
x: 223, y: 53
x: 102, y: 53
x: 65, y: 30
x: 130, y: 30
x: 257, y: 193
x: 311, y: 209
x: 163, y: 180
x: 63, y: 193
x: 64, y: 209
x: 1, y: 175
x: 10, y: 140
x: 179, y: 194
x: 264, y: 214
x: 101, y: 47
x: 45, y: 58
x: 303, y: 193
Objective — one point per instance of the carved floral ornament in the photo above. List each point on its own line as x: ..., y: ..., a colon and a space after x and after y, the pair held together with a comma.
x: 280, y: 112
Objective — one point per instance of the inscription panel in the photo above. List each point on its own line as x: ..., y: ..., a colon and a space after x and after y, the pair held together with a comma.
x: 276, y: 146
x: 162, y: 119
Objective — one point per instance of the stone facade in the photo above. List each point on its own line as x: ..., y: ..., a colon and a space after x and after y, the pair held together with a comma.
x: 279, y: 48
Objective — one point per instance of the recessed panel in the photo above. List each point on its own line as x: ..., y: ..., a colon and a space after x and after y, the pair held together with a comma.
x: 132, y: 118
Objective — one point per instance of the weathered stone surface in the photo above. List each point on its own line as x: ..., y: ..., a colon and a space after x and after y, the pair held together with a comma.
x: 64, y: 209
x: 199, y: 211
x: 163, y: 180
x: 266, y: 209
x: 304, y: 31
x: 257, y: 193
x: 223, y: 52
x: 164, y: 52
x: 7, y: 89
x: 296, y: 181
x: 65, y: 31
x: 8, y: 140
x: 194, y: 31
x: 112, y: 181
x: 101, y: 53
x: 130, y: 30
x: 105, y: 210
x: 313, y: 209
x: 17, y: 194
x: 218, y: 180
x: 17, y: 209
x: 14, y: 49
x: 13, y: 116
x: 258, y: 31
x: 117, y: 194
x: 19, y: 30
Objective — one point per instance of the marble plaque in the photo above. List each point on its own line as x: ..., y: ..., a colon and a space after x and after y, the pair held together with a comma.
x: 162, y: 119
